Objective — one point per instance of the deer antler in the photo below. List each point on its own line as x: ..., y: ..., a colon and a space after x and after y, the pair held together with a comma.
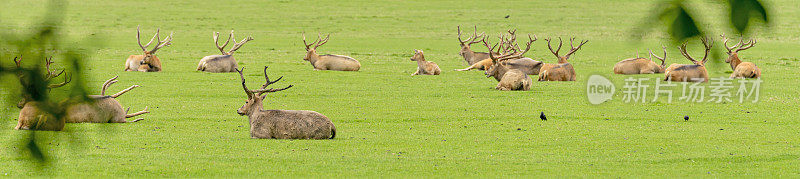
x: 574, y: 49
x: 216, y: 42
x: 308, y: 46
x: 244, y: 86
x: 706, y: 42
x: 139, y: 40
x: 551, y: 48
x: 264, y: 89
x: 107, y: 84
x: 321, y: 41
x: 747, y: 45
x: 471, y: 40
x: 660, y: 58
x: 161, y: 44
x: 236, y: 46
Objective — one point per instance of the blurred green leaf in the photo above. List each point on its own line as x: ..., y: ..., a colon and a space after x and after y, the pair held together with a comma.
x: 742, y: 11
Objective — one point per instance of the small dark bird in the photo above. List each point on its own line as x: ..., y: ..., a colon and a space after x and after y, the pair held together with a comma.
x: 508, y: 16
x: 685, y: 118
x: 544, y: 118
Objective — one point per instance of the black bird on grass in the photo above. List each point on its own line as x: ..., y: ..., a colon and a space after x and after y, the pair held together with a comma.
x: 685, y: 118
x: 544, y: 118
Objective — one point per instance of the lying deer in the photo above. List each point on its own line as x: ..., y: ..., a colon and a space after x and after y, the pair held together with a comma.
x: 36, y: 115
x: 524, y: 64
x: 148, y: 62
x: 225, y: 62
x: 508, y: 79
x: 694, y: 73
x: 641, y: 65
x: 281, y: 124
x: 471, y: 57
x: 563, y: 70
x: 741, y: 69
x: 424, y: 67
x: 328, y: 62
x: 101, y: 108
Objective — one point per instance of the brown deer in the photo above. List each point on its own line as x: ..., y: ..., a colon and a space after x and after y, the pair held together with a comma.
x: 741, y: 69
x: 424, y: 67
x: 471, y: 57
x: 328, y: 62
x: 39, y: 115
x: 524, y: 64
x: 508, y: 79
x: 694, y: 73
x: 563, y: 70
x: 281, y: 124
x: 641, y: 65
x: 225, y: 62
x: 101, y: 108
x: 147, y: 62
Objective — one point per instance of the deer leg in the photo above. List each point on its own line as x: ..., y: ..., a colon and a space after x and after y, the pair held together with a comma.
x: 473, y: 66
x: 124, y: 91
x: 137, y: 113
x: 416, y: 72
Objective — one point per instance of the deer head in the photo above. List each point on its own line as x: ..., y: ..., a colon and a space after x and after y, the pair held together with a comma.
x: 706, y: 42
x: 418, y: 56
x: 312, y: 51
x: 465, y: 44
x: 255, y: 97
x: 49, y: 75
x: 563, y: 59
x: 150, y: 54
x: 236, y: 45
x: 733, y: 51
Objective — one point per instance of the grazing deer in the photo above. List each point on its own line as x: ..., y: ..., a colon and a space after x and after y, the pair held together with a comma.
x: 36, y: 115
x: 508, y: 79
x: 641, y: 65
x: 281, y: 124
x: 741, y: 69
x: 424, y: 67
x: 225, y: 62
x: 696, y: 72
x: 328, y: 62
x: 148, y: 62
x: 563, y: 70
x: 471, y: 57
x: 101, y: 108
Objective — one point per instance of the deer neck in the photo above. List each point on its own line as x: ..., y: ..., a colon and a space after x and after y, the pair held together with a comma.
x: 313, y: 58
x: 421, y: 63
x: 500, y: 71
x: 562, y: 60
x: 734, y: 60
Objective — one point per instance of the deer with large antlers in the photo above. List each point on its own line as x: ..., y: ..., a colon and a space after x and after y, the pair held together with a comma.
x: 328, y: 61
x: 524, y: 64
x: 147, y: 62
x: 741, y: 69
x: 281, y: 124
x: 36, y: 115
x: 563, y: 70
x: 471, y: 57
x: 101, y: 108
x: 424, y: 67
x: 225, y: 62
x: 508, y: 79
x: 696, y: 72
x: 641, y: 65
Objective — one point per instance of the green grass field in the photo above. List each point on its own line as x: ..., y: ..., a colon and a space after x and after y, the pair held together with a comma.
x: 392, y: 124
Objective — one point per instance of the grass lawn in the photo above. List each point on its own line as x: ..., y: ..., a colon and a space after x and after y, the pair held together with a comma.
x: 392, y: 124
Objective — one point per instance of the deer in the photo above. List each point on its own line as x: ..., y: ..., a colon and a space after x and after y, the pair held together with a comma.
x: 508, y: 79
x: 328, y: 61
x: 424, y: 67
x: 147, y: 62
x: 225, y: 62
x: 101, y: 108
x: 524, y: 64
x: 741, y: 69
x: 563, y: 70
x: 471, y: 57
x: 40, y: 115
x: 685, y: 72
x: 281, y: 124
x: 641, y: 65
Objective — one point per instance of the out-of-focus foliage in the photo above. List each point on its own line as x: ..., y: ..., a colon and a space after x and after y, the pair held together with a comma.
x: 682, y: 24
